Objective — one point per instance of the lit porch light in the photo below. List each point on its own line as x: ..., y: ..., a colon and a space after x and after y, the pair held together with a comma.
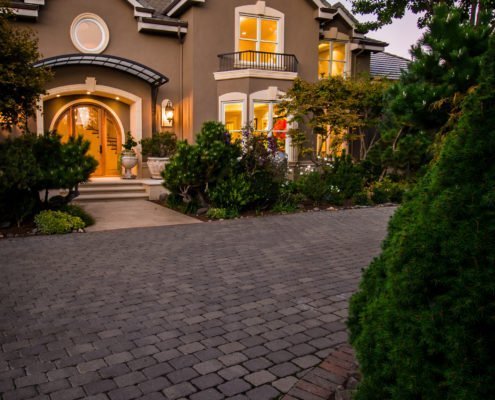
x: 167, y: 113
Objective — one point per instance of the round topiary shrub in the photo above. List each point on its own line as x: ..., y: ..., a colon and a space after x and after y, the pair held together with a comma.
x: 423, y: 321
x: 56, y: 222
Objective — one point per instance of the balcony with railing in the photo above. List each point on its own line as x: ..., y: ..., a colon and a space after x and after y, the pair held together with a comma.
x: 258, y: 60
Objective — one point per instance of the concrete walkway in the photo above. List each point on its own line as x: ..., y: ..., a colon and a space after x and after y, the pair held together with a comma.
x: 228, y: 310
x: 110, y: 215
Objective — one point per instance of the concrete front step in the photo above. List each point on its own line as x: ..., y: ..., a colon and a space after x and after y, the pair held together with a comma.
x: 111, y: 196
x: 108, y: 189
x: 112, y: 189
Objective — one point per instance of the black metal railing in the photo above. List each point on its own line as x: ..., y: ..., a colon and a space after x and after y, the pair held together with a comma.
x: 258, y: 60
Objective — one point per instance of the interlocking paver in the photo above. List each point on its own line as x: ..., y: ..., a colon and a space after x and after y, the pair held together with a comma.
x: 207, y: 381
x: 136, y: 307
x: 234, y: 387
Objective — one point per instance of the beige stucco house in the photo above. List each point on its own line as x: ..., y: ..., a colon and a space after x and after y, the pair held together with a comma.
x: 151, y: 65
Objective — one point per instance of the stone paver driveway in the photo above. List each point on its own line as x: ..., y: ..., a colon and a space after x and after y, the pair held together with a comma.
x: 210, y: 311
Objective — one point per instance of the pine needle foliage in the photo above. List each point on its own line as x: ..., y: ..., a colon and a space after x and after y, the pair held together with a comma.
x: 423, y: 320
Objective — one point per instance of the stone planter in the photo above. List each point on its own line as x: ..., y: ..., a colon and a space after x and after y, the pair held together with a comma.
x: 156, y: 165
x: 129, y: 161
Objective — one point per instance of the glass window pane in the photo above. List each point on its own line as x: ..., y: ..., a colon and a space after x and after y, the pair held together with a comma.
x: 338, y: 69
x: 268, y: 47
x: 338, y: 53
x: 248, y: 28
x: 245, y: 45
x: 233, y: 116
x: 324, y: 51
x: 269, y: 30
x: 323, y: 69
x: 62, y: 127
x: 112, y: 148
x: 261, y: 115
x: 87, y: 124
x: 89, y: 34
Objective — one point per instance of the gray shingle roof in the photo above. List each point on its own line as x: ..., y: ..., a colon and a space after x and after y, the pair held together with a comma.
x: 388, y: 65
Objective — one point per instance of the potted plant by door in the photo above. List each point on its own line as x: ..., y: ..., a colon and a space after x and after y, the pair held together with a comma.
x: 158, y: 149
x: 128, y: 156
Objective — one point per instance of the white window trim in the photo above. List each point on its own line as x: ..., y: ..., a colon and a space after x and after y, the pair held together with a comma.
x: 347, y: 63
x: 260, y: 10
x: 272, y: 95
x: 101, y: 24
x: 233, y: 97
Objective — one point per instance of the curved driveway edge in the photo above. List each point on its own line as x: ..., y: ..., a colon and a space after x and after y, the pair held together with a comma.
x: 236, y: 309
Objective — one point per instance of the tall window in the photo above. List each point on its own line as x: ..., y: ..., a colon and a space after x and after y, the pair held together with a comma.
x: 232, y: 118
x: 258, y: 34
x: 267, y: 120
x: 332, y: 59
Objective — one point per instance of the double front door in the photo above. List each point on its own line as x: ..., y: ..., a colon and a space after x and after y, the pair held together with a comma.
x: 97, y: 126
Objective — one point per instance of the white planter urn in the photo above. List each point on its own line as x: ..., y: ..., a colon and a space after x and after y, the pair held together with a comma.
x: 129, y: 161
x: 156, y: 165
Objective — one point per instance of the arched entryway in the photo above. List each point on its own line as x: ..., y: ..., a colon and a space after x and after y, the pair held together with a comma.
x: 97, y: 125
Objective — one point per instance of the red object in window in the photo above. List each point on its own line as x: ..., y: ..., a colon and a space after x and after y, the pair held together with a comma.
x: 280, y: 125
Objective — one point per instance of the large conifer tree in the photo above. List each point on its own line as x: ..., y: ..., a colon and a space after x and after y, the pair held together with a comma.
x: 423, y: 321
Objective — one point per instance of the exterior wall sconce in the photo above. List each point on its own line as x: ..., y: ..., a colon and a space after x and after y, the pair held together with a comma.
x: 167, y: 113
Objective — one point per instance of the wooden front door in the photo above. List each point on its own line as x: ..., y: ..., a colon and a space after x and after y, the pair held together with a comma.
x: 98, y: 127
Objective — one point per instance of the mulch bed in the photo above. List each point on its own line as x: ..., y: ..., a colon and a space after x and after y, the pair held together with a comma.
x: 301, y: 209
x: 26, y: 229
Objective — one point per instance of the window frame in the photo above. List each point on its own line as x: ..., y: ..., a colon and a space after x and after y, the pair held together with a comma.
x: 103, y: 30
x: 233, y: 98
x: 260, y: 11
x: 259, y: 40
x: 331, y: 61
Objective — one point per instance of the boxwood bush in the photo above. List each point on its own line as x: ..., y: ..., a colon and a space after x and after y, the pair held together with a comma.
x: 51, y: 222
x: 423, y: 320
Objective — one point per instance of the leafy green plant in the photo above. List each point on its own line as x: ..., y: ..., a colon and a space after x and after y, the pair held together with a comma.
x: 19, y: 177
x: 289, y: 198
x: 51, y: 222
x: 21, y: 83
x: 31, y: 164
x: 232, y: 193
x: 362, y: 198
x: 344, y: 179
x: 78, y: 211
x: 314, y: 187
x: 161, y: 144
x: 387, y: 191
x: 63, y: 165
x: 195, y: 169
x: 221, y: 213
x: 129, y: 143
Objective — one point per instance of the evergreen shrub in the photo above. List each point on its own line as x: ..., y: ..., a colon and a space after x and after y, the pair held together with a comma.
x: 51, y: 222
x: 423, y: 320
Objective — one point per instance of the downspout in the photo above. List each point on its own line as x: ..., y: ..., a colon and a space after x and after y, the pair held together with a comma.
x: 154, y: 97
x: 181, y: 82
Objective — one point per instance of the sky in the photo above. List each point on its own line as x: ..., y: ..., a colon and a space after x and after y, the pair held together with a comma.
x: 400, y: 35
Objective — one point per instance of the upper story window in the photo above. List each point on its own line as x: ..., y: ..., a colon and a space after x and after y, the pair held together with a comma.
x: 89, y: 33
x: 258, y: 34
x: 332, y: 59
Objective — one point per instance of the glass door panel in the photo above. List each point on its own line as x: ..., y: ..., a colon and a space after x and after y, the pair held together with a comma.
x: 111, y: 148
x: 87, y: 122
x: 98, y: 127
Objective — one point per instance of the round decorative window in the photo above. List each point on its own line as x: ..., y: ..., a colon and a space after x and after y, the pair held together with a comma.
x: 89, y: 33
